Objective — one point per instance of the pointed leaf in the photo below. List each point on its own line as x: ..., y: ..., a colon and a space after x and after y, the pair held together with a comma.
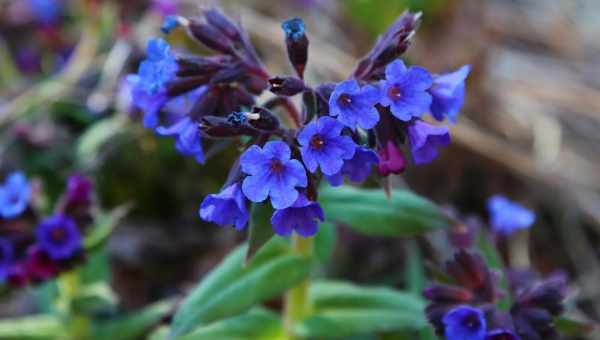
x: 325, y: 241
x: 260, y: 228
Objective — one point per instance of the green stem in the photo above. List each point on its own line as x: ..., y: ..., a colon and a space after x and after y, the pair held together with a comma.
x: 68, y: 288
x: 297, y: 304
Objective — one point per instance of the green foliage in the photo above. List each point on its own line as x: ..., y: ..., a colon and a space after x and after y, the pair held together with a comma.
x: 370, y: 212
x: 33, y: 328
x: 260, y: 228
x: 325, y: 241
x: 343, y: 309
x: 233, y: 287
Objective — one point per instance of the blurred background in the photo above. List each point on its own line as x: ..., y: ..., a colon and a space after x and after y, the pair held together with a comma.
x: 529, y: 128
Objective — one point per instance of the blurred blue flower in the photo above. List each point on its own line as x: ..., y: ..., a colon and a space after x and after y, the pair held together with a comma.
x: 448, y: 92
x: 59, y: 236
x: 425, y: 139
x: 353, y: 105
x: 404, y: 90
x: 187, y: 137
x: 150, y: 104
x: 464, y: 323
x: 501, y: 334
x: 272, y: 173
x: 303, y: 217
x: 323, y: 145
x: 14, y: 195
x: 46, y: 12
x: 357, y: 169
x: 507, y: 216
x: 169, y: 23
x: 159, y: 66
x: 6, y: 258
x: 226, y: 207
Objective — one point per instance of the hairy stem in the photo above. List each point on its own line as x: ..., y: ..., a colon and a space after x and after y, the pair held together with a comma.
x: 297, y: 305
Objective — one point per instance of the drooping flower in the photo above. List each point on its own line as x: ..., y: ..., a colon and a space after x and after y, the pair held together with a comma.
x: 391, y: 159
x: 501, y: 334
x: 405, y: 90
x: 323, y: 146
x: 425, y: 140
x: 303, y: 217
x: 59, y: 237
x: 272, y: 173
x: 357, y: 169
x: 464, y: 323
x: 6, y: 258
x: 448, y: 92
x: 226, y: 207
x: 187, y: 137
x: 355, y: 106
x: 14, y: 195
x: 507, y: 216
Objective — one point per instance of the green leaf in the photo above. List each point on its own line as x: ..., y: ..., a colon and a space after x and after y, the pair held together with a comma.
x: 258, y: 324
x: 161, y: 333
x: 100, y: 133
x: 370, y: 212
x: 260, y: 228
x: 135, y: 325
x: 574, y: 327
x: 94, y: 297
x: 104, y: 226
x: 232, y: 288
x: 343, y: 309
x: 415, y: 269
x: 325, y: 241
x: 32, y: 327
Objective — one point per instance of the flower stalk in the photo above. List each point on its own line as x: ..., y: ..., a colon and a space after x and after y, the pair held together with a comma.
x: 297, y: 305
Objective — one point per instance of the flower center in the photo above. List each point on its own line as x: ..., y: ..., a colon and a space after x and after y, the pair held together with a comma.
x: 344, y: 99
x: 58, y: 235
x: 317, y: 142
x: 276, y: 166
x: 13, y: 199
x: 472, y: 322
x: 395, y: 92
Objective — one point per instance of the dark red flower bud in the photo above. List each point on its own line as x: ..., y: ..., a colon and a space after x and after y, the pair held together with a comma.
x: 391, y: 160
x: 210, y: 36
x: 296, y: 43
x: 447, y: 294
x: 188, y: 66
x: 266, y: 120
x: 220, y: 127
x: 17, y: 275
x: 221, y: 22
x: 39, y: 266
x: 286, y: 86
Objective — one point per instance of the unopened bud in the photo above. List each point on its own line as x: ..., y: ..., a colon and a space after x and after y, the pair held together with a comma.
x: 286, y: 86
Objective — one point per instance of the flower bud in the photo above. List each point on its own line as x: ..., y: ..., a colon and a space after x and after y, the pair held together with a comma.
x: 286, y: 86
x: 220, y: 21
x: 297, y: 44
x: 220, y: 127
x: 210, y: 36
x: 391, y: 160
x: 266, y: 120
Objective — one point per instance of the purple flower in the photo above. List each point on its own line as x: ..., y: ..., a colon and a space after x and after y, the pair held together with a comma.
x: 448, y: 92
x: 405, y: 90
x: 425, y: 139
x: 354, y: 105
x: 226, y: 207
x: 357, y: 169
x: 79, y: 190
x: 187, y: 135
x: 46, y: 12
x: 391, y: 159
x: 39, y: 266
x: 303, y: 217
x: 165, y: 7
x: 293, y: 28
x: 149, y: 103
x: 6, y: 258
x: 272, y: 173
x: 14, y: 195
x: 464, y: 323
x: 159, y: 66
x: 507, y: 216
x: 501, y: 334
x: 59, y: 237
x: 324, y: 147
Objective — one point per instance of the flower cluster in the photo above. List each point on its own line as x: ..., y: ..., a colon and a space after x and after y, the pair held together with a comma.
x: 342, y: 130
x: 468, y: 304
x: 33, y: 250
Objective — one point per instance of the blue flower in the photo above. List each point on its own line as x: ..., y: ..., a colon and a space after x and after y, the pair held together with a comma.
x: 464, y: 323
x: 272, y: 173
x: 293, y: 28
x: 324, y: 147
x: 59, y: 237
x: 14, y: 195
x: 6, y: 258
x: 425, y: 139
x: 357, y: 169
x: 46, y: 11
x: 448, y: 92
x: 159, y: 66
x: 150, y: 104
x: 405, y: 90
x: 501, y: 334
x: 303, y: 217
x: 354, y: 105
x: 169, y: 23
x: 226, y: 207
x: 188, y: 141
x: 507, y: 216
